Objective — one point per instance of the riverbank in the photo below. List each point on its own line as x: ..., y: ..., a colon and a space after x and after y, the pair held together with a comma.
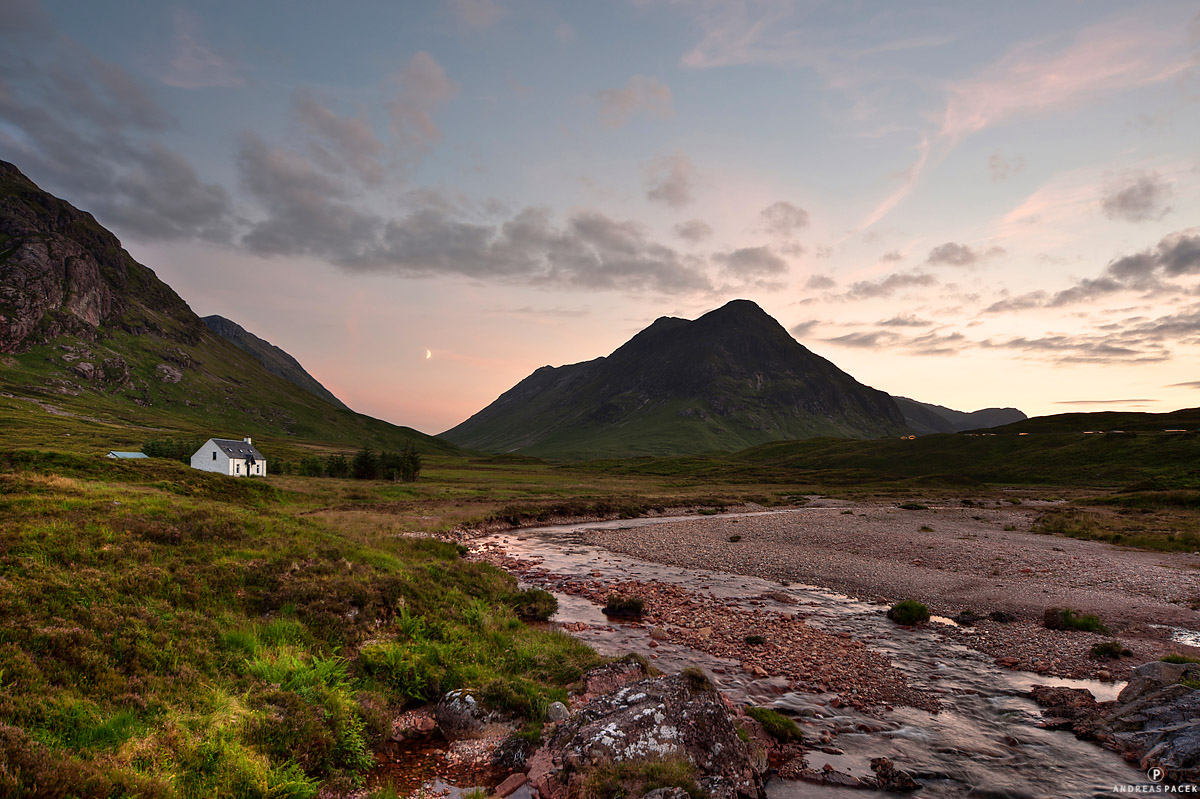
x: 953, y: 559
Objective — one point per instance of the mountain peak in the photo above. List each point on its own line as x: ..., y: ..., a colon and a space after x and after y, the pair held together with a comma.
x: 730, y: 379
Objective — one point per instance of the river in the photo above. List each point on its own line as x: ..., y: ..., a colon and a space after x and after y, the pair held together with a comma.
x: 986, y: 742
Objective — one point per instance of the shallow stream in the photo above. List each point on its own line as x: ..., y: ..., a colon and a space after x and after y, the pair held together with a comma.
x: 986, y: 742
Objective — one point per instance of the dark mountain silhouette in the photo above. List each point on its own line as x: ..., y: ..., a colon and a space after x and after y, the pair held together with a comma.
x: 728, y: 380
x: 924, y: 418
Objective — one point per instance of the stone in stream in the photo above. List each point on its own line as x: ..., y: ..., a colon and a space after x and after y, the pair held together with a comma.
x: 1154, y: 722
x: 678, y: 715
x: 461, y: 716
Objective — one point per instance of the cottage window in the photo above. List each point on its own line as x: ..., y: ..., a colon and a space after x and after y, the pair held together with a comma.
x: 214, y: 456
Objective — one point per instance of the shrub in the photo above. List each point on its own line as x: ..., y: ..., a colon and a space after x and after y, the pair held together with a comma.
x: 777, y: 725
x: 908, y: 612
x: 1109, y: 650
x: 755, y: 640
x: 624, y: 607
x: 1067, y: 619
x: 733, y: 539
x: 913, y: 506
x: 534, y: 604
x: 697, y: 681
x: 967, y: 617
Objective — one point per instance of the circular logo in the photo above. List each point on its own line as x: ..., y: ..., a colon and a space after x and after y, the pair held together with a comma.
x: 1156, y: 774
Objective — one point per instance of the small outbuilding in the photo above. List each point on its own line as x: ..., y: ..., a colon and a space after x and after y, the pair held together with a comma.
x: 112, y: 453
x: 231, y: 457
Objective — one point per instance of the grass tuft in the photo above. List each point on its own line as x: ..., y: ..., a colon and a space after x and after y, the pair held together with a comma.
x: 777, y: 725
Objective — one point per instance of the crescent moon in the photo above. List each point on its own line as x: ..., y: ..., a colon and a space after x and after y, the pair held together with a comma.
x: 428, y: 354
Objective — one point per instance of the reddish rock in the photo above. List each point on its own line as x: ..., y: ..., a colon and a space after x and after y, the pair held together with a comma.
x: 510, y: 784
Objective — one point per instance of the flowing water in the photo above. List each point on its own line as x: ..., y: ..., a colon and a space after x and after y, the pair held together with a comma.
x: 986, y: 742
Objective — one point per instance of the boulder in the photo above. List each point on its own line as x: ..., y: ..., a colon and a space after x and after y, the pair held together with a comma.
x: 1154, y: 722
x: 460, y: 715
x: 1154, y: 676
x: 557, y: 712
x: 680, y: 715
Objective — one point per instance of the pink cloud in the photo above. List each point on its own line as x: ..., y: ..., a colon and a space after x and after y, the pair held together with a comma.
x: 1106, y: 58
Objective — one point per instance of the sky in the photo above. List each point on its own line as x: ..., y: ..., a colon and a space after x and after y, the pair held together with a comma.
x: 969, y: 204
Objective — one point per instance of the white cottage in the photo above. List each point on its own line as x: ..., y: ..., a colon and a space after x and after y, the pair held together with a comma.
x: 234, y: 458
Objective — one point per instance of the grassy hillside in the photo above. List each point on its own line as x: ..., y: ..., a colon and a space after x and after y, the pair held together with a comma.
x: 166, y: 632
x: 222, y: 392
x: 87, y: 332
x: 1162, y: 460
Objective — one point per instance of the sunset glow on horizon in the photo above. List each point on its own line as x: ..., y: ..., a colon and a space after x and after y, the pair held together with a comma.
x: 966, y: 205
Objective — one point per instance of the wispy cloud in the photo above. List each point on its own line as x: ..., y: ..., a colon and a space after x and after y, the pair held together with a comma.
x: 784, y: 219
x: 642, y: 94
x: 886, y: 287
x: 1045, y: 75
x: 671, y: 180
x: 422, y: 87
x: 1137, y: 198
x: 340, y: 142
x: 476, y: 14
x: 194, y: 64
x: 954, y: 254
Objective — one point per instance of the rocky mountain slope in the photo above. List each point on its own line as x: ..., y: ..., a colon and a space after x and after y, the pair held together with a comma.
x: 273, y: 359
x: 728, y: 380
x: 86, y: 331
x: 924, y: 418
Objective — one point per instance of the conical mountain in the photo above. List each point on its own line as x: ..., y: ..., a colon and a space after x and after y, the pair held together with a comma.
x: 728, y: 380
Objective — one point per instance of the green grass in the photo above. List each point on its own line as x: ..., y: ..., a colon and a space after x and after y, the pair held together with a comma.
x: 1109, y: 650
x: 167, y: 632
x: 1067, y: 619
x: 777, y: 725
x: 636, y: 777
x: 1177, y: 658
x: 908, y: 611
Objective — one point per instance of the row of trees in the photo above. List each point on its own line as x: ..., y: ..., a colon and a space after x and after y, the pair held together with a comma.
x: 177, y: 449
x: 365, y: 465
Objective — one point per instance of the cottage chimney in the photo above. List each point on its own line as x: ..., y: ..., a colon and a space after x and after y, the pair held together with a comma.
x: 248, y: 441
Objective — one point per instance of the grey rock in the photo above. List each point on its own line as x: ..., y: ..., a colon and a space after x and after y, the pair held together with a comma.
x: 653, y: 718
x: 168, y: 374
x: 1155, y: 675
x: 557, y: 712
x: 1154, y: 722
x: 460, y: 715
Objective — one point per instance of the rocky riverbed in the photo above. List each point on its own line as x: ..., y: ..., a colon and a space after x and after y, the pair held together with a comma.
x: 952, y: 559
x: 870, y: 696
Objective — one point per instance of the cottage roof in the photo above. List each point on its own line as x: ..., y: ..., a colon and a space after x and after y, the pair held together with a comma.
x: 127, y: 455
x: 238, y: 449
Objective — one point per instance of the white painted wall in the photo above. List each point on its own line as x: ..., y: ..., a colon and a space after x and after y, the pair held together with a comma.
x: 211, y: 458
